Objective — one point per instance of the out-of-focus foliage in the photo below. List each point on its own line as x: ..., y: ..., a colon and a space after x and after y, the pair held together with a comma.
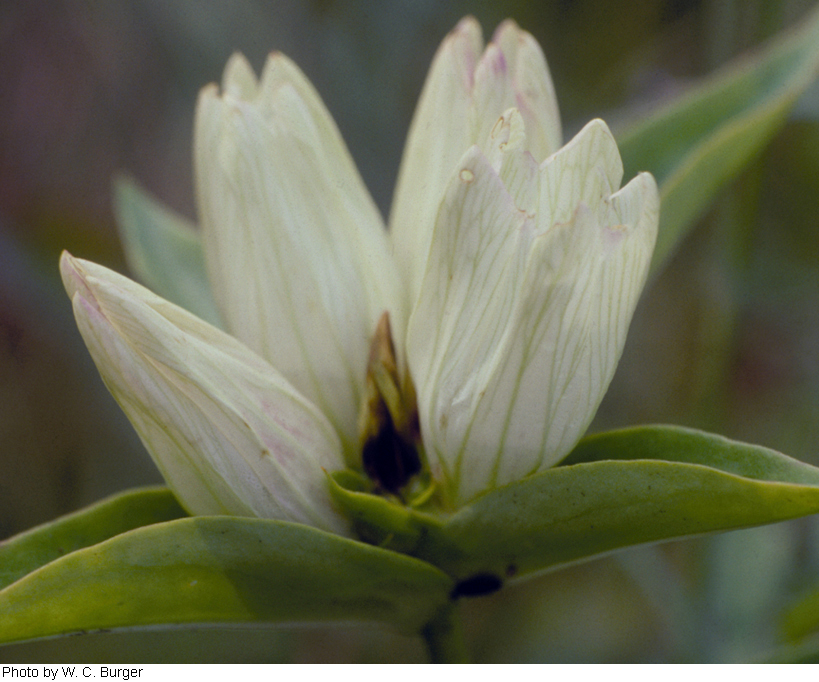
x: 702, y: 139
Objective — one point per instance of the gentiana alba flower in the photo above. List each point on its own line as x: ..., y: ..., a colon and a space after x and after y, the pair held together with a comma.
x: 228, y: 432
x: 475, y: 339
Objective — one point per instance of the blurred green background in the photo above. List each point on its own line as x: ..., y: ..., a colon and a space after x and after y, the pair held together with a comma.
x: 725, y: 339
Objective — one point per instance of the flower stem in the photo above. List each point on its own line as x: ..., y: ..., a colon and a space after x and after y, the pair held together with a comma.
x: 444, y: 637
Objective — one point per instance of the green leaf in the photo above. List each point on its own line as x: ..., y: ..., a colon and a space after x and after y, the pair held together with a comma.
x: 27, y: 551
x: 619, y: 489
x: 222, y: 570
x: 680, y: 444
x: 163, y: 250
x: 698, y: 142
x: 802, y: 618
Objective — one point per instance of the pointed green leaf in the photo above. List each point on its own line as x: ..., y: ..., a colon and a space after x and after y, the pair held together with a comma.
x: 701, y: 140
x: 163, y: 250
x: 619, y: 489
x: 681, y: 444
x: 221, y: 570
x: 28, y: 551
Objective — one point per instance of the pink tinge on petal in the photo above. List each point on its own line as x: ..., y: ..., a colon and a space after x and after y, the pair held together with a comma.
x: 494, y: 60
x: 499, y: 65
x: 74, y: 279
x: 461, y: 34
x: 613, y: 235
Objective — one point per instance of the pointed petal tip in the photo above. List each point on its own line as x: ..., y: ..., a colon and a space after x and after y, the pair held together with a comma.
x: 508, y: 27
x: 274, y: 64
x: 649, y: 181
x: 276, y: 58
x: 238, y: 78
x: 473, y: 164
x: 66, y: 259
x: 469, y: 25
x: 279, y: 70
x: 645, y: 186
x: 597, y: 126
x: 465, y: 40
x: 650, y: 191
x: 207, y: 114
x: 643, y: 191
x: 593, y: 147
x: 208, y: 94
x: 513, y: 39
x: 72, y: 274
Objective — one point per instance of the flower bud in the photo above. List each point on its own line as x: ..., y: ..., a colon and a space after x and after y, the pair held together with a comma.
x: 296, y: 250
x: 227, y: 431
x: 533, y: 276
x: 464, y: 94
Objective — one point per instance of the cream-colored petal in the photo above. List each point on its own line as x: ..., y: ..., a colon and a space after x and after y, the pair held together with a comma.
x: 522, y: 316
x: 238, y: 78
x: 582, y: 282
x: 227, y: 431
x: 463, y: 312
x: 493, y: 92
x: 297, y: 254
x: 535, y: 94
x: 303, y: 112
x: 438, y: 136
x: 464, y: 96
x: 518, y: 171
x: 587, y: 170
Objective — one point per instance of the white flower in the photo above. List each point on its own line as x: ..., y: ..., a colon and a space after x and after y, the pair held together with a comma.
x: 228, y: 433
x: 465, y: 93
x: 510, y: 277
x: 532, y: 279
x: 297, y: 254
